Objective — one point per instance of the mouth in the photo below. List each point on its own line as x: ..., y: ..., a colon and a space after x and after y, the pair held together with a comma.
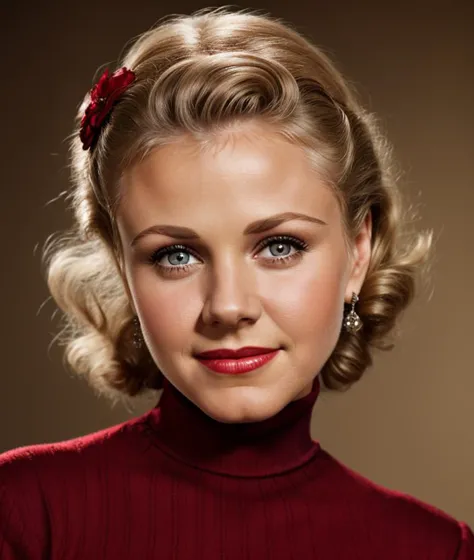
x: 235, y: 366
x: 231, y: 354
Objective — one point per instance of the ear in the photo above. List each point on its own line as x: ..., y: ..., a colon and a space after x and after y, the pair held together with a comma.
x: 123, y: 277
x: 127, y: 289
x: 362, y: 249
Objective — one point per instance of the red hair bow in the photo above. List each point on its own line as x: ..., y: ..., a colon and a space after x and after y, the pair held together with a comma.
x: 103, y: 96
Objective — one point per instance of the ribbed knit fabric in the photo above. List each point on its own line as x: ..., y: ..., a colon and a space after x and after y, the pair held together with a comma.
x: 174, y: 484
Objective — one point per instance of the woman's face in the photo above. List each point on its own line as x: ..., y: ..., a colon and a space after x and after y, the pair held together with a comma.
x: 227, y: 288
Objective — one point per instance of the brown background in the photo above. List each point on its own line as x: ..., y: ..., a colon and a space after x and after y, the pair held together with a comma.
x: 409, y: 423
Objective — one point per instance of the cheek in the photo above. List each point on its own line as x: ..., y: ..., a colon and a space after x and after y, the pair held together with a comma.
x: 311, y: 302
x: 169, y: 313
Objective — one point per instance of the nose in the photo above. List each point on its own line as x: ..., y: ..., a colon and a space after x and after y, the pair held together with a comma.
x: 232, y: 296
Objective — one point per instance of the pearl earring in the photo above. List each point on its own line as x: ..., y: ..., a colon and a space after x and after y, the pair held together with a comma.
x: 137, y: 336
x: 352, y: 321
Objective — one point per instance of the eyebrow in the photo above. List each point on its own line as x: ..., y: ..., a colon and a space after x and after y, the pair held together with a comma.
x: 259, y: 226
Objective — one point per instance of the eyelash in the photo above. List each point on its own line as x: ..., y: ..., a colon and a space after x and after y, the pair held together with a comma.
x: 300, y: 245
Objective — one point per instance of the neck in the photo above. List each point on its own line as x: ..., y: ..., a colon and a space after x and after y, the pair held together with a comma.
x: 274, y: 445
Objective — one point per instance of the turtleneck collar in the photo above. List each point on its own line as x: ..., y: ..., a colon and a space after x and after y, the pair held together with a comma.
x: 269, y: 447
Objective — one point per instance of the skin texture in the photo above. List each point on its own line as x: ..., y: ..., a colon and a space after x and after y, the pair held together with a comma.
x: 232, y: 295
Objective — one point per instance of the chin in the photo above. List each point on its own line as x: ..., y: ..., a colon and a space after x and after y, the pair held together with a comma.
x: 243, y: 407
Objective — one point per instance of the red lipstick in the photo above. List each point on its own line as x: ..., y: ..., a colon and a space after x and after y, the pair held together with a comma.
x: 224, y: 360
x: 245, y: 352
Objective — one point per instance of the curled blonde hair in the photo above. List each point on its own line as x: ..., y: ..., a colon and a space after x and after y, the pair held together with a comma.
x: 202, y: 74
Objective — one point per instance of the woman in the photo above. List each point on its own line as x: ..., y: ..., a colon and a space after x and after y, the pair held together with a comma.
x: 237, y: 241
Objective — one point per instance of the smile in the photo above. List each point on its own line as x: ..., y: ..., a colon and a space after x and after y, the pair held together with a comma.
x: 238, y: 365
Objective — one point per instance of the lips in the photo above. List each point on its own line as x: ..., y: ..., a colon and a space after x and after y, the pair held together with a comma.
x: 227, y: 353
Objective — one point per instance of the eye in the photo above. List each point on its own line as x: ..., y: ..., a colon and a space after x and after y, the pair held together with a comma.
x: 280, y: 241
x: 178, y: 255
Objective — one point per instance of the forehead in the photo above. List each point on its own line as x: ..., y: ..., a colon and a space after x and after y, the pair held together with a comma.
x: 250, y: 172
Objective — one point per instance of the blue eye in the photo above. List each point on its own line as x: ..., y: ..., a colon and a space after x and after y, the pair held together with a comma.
x: 182, y: 250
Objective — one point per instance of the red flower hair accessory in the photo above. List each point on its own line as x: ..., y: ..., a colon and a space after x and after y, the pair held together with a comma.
x: 103, y: 96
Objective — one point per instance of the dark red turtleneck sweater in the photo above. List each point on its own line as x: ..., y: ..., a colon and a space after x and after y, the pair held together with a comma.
x: 174, y: 484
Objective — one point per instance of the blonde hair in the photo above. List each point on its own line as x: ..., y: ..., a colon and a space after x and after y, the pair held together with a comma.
x: 201, y: 74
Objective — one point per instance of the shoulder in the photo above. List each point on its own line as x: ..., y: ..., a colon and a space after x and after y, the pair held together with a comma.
x: 401, y: 518
x: 26, y: 464
x: 36, y: 481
